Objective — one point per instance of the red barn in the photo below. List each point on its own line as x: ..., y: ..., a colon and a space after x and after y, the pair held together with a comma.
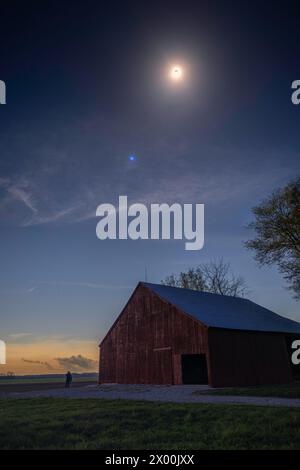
x: 167, y: 335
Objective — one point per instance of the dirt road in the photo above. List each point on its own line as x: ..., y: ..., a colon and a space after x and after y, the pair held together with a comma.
x: 42, y: 386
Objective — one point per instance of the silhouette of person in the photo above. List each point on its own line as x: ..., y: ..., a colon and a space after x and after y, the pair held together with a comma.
x: 68, y: 379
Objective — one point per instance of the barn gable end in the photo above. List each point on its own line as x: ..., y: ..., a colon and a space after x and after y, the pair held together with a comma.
x: 147, y: 340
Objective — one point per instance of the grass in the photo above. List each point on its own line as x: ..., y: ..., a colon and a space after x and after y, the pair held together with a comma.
x: 56, y: 423
x: 281, y: 391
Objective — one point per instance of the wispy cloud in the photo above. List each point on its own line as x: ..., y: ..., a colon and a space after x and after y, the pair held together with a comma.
x: 23, y: 196
x: 36, y: 338
x: 54, y: 217
x: 89, y: 285
x: 19, y: 191
x: 44, y: 208
x: 167, y: 172
x: 42, y: 363
x: 31, y: 289
x: 19, y: 335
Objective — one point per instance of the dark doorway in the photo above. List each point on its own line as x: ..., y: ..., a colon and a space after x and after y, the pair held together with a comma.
x: 194, y: 369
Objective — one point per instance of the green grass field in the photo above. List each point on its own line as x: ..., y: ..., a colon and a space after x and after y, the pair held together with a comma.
x: 53, y: 423
x: 282, y: 391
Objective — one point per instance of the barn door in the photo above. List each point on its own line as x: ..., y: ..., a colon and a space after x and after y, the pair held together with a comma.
x: 194, y: 369
x: 162, y: 366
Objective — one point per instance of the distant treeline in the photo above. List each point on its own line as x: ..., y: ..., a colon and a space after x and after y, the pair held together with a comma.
x: 49, y: 376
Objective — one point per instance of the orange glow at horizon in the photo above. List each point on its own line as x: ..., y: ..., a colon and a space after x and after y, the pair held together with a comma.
x: 40, y: 357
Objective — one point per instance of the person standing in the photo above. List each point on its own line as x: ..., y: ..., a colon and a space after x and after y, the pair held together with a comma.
x: 68, y: 379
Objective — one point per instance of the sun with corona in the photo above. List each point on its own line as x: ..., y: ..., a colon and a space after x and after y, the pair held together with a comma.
x: 176, y: 73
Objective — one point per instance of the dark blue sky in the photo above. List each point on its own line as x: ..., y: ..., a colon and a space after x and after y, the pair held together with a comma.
x: 85, y: 89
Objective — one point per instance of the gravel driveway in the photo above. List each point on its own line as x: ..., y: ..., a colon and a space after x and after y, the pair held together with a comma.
x: 163, y: 393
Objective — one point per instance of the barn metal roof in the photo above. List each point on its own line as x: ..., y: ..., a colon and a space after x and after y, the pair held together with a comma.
x: 222, y: 311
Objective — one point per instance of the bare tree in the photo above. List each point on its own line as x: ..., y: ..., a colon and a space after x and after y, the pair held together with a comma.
x: 277, y: 226
x: 10, y: 374
x: 215, y: 277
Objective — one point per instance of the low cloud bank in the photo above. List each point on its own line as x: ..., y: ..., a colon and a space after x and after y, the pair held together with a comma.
x: 78, y: 363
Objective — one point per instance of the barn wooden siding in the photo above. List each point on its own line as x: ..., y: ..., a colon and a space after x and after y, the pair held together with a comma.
x: 248, y: 358
x: 146, y: 342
